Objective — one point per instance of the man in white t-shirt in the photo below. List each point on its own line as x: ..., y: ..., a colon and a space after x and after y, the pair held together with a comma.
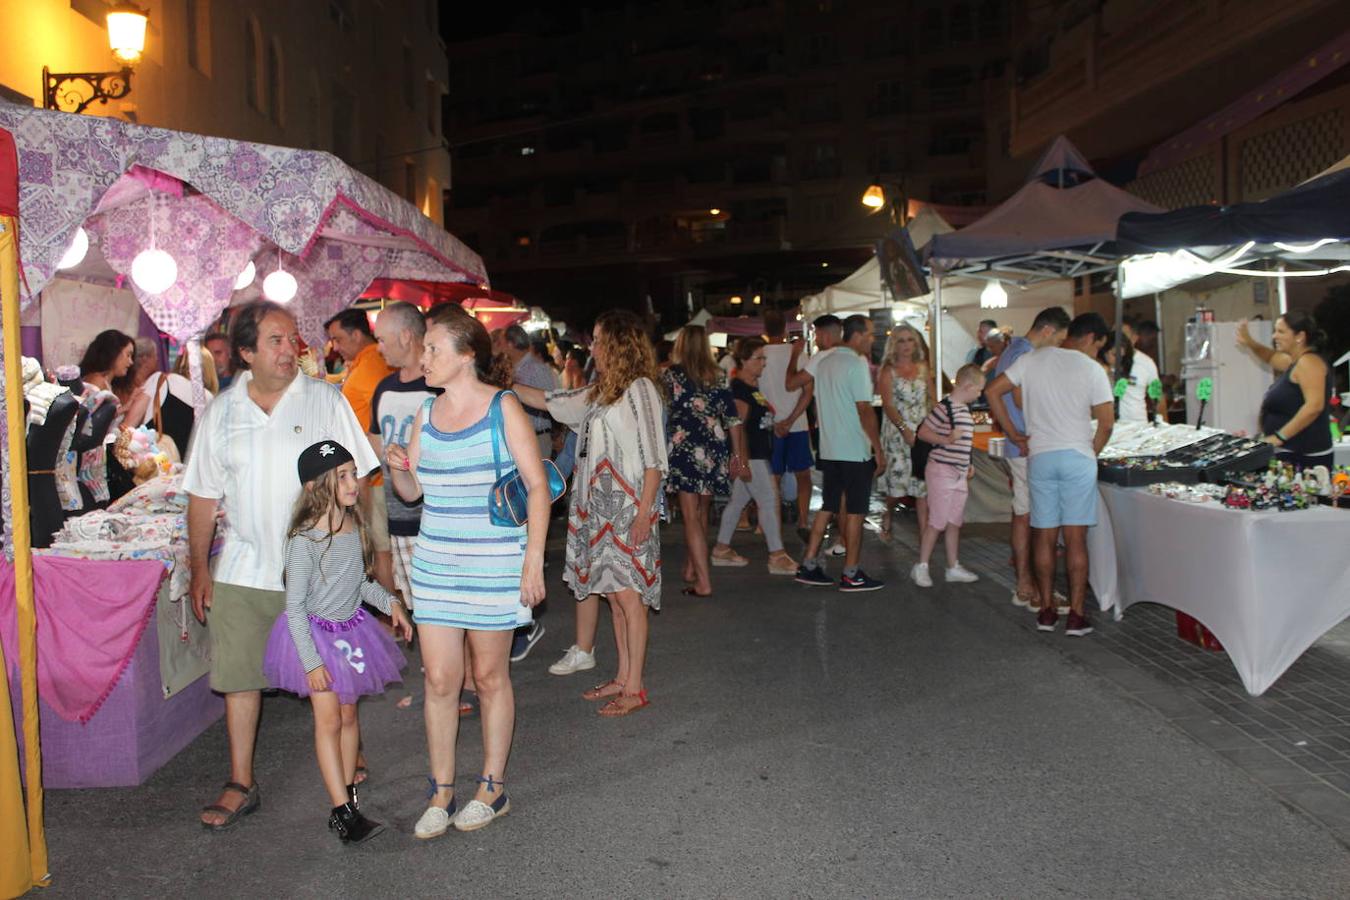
x: 243, y: 460
x: 829, y: 333
x: 1064, y: 389
x: 791, y: 433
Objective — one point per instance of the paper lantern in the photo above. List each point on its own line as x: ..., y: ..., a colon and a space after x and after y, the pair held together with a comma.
x: 280, y: 287
x: 74, y: 255
x: 154, y: 271
x: 246, y: 277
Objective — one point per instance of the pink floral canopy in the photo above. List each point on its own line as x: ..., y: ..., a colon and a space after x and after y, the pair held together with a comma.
x: 214, y: 205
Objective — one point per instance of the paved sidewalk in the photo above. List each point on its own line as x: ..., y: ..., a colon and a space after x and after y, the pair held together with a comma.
x: 800, y: 743
x: 1294, y: 739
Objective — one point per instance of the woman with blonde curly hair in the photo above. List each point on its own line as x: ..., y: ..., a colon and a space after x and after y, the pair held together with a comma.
x: 613, y: 544
x: 905, y: 383
x: 701, y: 430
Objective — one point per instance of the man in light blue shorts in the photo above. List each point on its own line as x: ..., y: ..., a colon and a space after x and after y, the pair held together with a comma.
x: 1064, y: 390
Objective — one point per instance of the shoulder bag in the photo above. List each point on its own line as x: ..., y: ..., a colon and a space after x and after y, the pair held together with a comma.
x: 918, y: 454
x: 509, y: 500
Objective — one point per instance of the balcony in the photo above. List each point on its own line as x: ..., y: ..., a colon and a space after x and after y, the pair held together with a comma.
x: 1161, y: 71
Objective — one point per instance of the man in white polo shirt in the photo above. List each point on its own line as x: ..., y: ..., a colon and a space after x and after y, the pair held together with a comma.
x: 243, y: 461
x: 1064, y: 390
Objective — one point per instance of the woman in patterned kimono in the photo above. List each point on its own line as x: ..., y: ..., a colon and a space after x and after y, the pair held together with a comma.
x: 613, y: 543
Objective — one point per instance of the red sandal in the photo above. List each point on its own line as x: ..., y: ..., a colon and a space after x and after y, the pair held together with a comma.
x: 616, y: 708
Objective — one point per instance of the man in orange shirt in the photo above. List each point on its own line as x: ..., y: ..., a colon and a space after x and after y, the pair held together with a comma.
x: 352, y: 338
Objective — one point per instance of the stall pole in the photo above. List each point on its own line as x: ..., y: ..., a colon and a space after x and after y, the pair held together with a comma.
x: 1283, y: 289
x: 1162, y: 334
x: 936, y: 315
x: 11, y: 840
x: 1120, y: 324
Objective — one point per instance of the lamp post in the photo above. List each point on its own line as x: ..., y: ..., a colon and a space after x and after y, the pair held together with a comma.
x: 74, y: 91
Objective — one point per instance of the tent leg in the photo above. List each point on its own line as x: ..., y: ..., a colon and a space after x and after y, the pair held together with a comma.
x: 1120, y: 324
x: 1283, y: 288
x: 24, y: 612
x: 936, y: 316
x: 1162, y: 342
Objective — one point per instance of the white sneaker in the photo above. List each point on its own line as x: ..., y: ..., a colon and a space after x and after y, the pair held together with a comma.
x: 573, y: 661
x: 1019, y: 602
x: 434, y: 823
x: 838, y: 549
x: 1062, y: 604
x: 961, y: 574
x: 920, y: 575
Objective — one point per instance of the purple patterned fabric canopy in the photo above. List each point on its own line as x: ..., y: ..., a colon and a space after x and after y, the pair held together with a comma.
x: 213, y: 204
x: 335, y: 229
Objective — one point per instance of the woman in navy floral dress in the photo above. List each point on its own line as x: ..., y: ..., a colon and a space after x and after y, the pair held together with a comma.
x: 701, y: 432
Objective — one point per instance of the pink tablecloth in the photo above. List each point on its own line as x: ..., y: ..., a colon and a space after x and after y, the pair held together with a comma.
x: 90, y: 616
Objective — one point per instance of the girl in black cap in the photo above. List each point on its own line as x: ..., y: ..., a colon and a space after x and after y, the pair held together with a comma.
x: 324, y: 646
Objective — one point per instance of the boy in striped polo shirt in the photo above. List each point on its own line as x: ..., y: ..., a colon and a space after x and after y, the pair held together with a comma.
x: 951, y: 430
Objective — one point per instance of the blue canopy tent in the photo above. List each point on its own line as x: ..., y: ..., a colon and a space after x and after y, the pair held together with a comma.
x: 1302, y: 229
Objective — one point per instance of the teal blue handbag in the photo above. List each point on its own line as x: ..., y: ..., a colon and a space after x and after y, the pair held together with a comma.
x: 509, y: 501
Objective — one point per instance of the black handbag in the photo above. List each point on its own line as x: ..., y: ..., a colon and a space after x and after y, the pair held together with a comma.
x: 509, y: 500
x: 918, y: 454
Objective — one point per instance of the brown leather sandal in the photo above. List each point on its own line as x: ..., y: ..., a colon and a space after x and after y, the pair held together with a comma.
x: 602, y: 690
x: 252, y: 800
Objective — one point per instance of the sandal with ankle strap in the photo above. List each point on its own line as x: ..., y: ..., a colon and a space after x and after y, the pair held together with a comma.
x: 599, y: 691
x: 252, y: 800
x: 616, y: 708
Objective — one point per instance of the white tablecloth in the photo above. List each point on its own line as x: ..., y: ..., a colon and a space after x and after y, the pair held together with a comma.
x: 1267, y: 584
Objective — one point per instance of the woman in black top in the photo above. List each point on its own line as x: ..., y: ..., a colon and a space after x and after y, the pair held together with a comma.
x: 1294, y: 412
x: 755, y: 480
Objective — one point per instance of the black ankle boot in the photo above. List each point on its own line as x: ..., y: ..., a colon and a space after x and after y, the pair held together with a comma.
x: 352, y: 798
x: 351, y: 826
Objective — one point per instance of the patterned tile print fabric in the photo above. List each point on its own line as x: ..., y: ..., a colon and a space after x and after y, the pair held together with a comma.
x: 69, y: 165
x: 465, y: 570
x: 68, y: 162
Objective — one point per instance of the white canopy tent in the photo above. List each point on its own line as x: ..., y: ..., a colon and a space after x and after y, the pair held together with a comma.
x: 863, y: 290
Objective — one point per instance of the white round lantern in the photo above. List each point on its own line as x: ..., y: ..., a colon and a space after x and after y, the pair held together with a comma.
x: 154, y: 271
x: 74, y: 255
x: 246, y: 276
x: 280, y: 287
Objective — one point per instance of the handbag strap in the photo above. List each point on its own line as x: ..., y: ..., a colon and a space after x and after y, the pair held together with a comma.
x: 495, y: 423
x: 159, y: 411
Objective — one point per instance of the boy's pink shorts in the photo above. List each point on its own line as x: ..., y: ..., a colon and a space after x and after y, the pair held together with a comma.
x: 947, y: 492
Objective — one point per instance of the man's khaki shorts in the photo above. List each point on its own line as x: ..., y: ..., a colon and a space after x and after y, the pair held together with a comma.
x: 238, y: 623
x: 378, y: 523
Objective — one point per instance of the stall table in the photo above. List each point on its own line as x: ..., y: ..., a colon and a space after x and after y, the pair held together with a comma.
x: 141, y: 698
x: 1267, y: 584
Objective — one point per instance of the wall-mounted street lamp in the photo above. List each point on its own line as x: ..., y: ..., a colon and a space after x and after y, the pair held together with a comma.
x: 891, y: 197
x: 74, y: 91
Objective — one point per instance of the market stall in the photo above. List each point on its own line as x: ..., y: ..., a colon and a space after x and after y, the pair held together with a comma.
x: 189, y: 225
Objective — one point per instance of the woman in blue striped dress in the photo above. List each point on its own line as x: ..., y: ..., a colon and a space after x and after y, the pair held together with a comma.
x: 470, y: 577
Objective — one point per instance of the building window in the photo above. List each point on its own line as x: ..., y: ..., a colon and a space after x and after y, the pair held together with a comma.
x: 409, y: 79
x: 991, y: 20
x: 930, y: 29
x: 275, y: 86
x: 433, y: 108
x: 820, y: 103
x: 949, y: 85
x: 888, y: 98
x: 198, y: 34
x: 886, y: 156
x: 961, y: 24
x: 410, y: 181
x: 253, y: 64
x: 822, y: 161
x: 344, y: 121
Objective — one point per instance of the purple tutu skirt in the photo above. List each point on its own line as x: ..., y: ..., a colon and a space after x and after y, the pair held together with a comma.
x: 360, y: 657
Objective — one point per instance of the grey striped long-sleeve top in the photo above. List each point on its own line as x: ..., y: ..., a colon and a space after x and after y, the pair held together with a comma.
x: 327, y: 581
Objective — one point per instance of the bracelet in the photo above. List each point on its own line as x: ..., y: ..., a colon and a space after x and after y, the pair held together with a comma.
x: 1280, y: 435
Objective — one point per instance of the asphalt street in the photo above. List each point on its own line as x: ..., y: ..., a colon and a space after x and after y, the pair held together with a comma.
x: 800, y: 743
